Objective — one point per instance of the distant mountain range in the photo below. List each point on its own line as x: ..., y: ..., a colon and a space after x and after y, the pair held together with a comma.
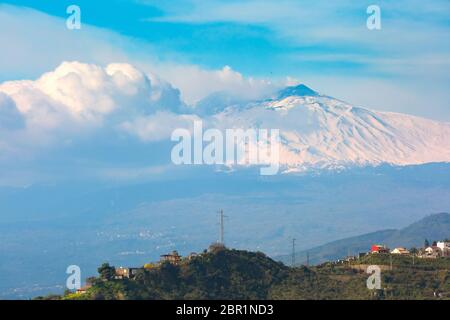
x: 433, y: 227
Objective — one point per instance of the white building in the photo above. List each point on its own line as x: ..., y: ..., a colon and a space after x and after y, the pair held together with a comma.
x: 444, y: 246
x: 432, y: 252
x: 400, y: 251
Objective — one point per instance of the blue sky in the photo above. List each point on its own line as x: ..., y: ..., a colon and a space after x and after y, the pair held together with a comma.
x: 210, y: 34
x: 191, y: 49
x: 323, y: 44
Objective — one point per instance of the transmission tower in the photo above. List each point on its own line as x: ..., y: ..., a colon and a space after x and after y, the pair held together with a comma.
x: 222, y: 227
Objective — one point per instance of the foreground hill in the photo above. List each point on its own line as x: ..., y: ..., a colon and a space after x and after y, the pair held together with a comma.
x: 124, y: 224
x: 433, y: 227
x: 233, y: 274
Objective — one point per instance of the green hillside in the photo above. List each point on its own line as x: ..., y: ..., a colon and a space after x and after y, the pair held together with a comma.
x: 233, y: 274
x: 432, y: 227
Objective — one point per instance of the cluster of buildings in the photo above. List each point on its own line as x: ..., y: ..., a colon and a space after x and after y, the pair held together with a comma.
x: 436, y: 250
x: 173, y: 257
x: 128, y: 272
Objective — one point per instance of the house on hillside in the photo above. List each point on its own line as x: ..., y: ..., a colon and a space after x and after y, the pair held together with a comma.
x: 192, y: 255
x: 350, y: 258
x: 431, y: 252
x: 173, y: 257
x: 83, y: 289
x: 400, y: 250
x: 124, y: 272
x: 378, y: 248
x: 444, y: 246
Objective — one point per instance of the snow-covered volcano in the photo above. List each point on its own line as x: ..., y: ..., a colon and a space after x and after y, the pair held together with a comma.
x: 319, y: 131
x: 78, y: 100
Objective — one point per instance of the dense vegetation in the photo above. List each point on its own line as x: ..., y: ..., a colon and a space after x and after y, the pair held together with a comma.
x: 233, y: 274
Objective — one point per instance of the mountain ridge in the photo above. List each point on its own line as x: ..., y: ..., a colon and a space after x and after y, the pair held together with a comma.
x: 317, y: 131
x: 433, y: 227
x: 298, y: 90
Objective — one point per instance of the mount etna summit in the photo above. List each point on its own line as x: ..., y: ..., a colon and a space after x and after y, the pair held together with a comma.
x: 318, y: 131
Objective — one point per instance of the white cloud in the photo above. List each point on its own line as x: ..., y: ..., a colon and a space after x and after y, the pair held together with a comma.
x: 158, y: 126
x: 86, y: 93
x: 10, y: 117
x: 196, y: 83
x: 396, y: 51
x: 27, y: 55
x: 74, y: 101
x: 411, y: 50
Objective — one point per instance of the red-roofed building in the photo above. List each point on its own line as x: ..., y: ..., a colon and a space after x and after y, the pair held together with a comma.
x: 378, y: 248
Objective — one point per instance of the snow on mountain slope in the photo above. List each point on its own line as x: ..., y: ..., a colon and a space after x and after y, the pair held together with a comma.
x: 319, y: 131
x: 76, y: 100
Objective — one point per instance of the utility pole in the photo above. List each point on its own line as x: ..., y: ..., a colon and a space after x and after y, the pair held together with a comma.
x: 222, y: 227
x: 293, y: 252
x: 390, y: 261
x: 307, y: 258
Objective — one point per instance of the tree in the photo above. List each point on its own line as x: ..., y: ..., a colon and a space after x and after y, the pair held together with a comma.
x: 426, y: 244
x: 67, y: 292
x: 91, y: 281
x: 106, y: 271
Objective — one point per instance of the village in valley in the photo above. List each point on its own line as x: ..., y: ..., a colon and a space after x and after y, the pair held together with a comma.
x: 435, y: 250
